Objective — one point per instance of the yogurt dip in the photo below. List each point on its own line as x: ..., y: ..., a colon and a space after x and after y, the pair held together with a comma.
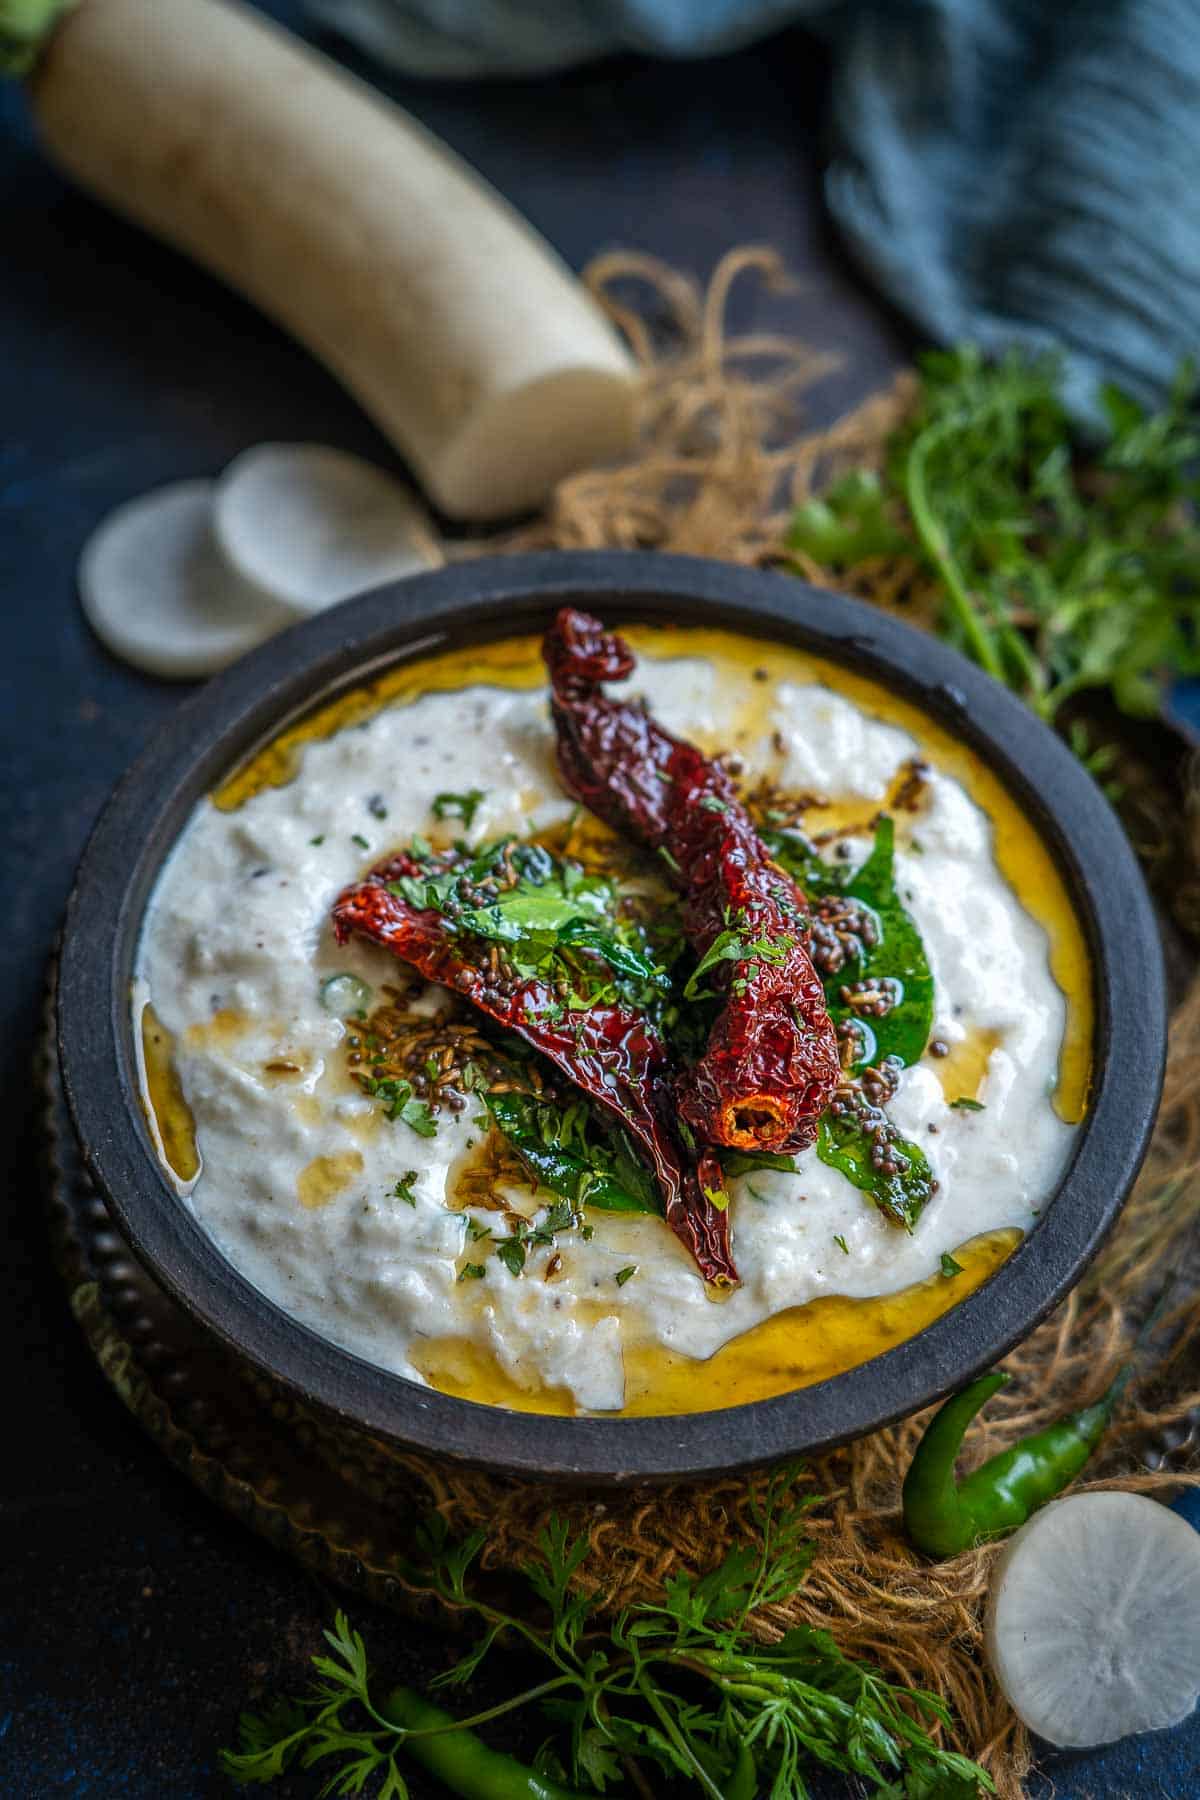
x: 370, y: 1231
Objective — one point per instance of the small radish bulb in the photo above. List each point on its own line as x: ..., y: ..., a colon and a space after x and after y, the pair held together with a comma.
x: 309, y: 525
x: 1093, y: 1626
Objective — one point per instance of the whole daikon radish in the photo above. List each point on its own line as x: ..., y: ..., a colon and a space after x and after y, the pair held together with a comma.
x: 454, y: 325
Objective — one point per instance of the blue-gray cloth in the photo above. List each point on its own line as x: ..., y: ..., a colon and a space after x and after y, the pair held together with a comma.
x: 1006, y: 170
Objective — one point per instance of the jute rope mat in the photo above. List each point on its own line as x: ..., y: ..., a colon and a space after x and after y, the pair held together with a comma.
x: 721, y: 462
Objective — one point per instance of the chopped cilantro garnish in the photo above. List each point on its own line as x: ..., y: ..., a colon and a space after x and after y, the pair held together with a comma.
x: 511, y: 1252
x: 399, y: 1103
x: 842, y: 1245
x: 459, y: 806
x: 403, y: 1189
x: 965, y: 1104
x: 356, y: 837
x: 472, y: 1272
x: 950, y: 1268
x: 317, y: 840
x: 731, y: 946
x: 623, y: 1275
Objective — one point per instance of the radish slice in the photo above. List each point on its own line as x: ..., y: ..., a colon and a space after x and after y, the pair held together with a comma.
x: 1093, y: 1626
x: 156, y: 592
x: 310, y: 525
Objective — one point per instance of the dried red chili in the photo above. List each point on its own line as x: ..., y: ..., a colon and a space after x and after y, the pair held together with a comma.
x: 771, y: 1063
x: 609, y: 1051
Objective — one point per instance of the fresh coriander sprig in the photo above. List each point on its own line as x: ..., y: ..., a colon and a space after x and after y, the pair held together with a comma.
x: 677, y: 1689
x: 1057, y: 569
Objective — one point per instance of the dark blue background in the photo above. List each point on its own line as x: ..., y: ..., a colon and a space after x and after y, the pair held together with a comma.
x: 136, y: 1619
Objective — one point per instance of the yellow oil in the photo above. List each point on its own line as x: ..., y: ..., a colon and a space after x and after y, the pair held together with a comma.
x: 456, y: 1365
x: 325, y: 1177
x: 794, y: 1349
x: 163, y: 1099
x: 961, y: 1073
x: 224, y: 1028
x: 805, y: 1344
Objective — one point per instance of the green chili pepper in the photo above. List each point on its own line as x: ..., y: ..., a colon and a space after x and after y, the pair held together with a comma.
x: 742, y: 1781
x: 943, y: 1516
x: 462, y: 1761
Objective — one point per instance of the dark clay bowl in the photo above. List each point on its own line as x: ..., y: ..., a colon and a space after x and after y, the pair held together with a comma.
x: 217, y: 727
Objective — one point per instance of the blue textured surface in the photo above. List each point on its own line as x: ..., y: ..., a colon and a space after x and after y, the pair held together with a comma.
x: 1006, y: 170
x: 134, y: 1618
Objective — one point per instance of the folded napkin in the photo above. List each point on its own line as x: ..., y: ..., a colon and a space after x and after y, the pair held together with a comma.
x: 1006, y: 170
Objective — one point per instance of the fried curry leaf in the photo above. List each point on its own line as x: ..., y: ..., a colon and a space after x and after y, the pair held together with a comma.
x: 898, y: 958
x: 896, y: 961
x: 567, y: 1151
x: 900, y: 1182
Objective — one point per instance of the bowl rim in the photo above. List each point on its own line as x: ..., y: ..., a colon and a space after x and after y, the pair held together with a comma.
x: 499, y: 597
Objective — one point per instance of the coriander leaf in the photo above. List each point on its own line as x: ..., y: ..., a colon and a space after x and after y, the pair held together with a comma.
x: 625, y: 1274
x: 849, y: 523
x: 1055, y: 570
x: 733, y: 946
x: 268, y: 1743
x: 677, y: 1685
x: 511, y: 1251
x: 459, y: 806
x: 949, y: 1267
x: 399, y: 1103
x: 403, y: 1189
x: 472, y: 1272
x: 965, y: 1104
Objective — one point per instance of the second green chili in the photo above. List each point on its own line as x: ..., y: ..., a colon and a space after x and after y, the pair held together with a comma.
x: 943, y: 1516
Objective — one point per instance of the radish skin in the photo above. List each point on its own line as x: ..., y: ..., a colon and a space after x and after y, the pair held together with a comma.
x: 454, y: 325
